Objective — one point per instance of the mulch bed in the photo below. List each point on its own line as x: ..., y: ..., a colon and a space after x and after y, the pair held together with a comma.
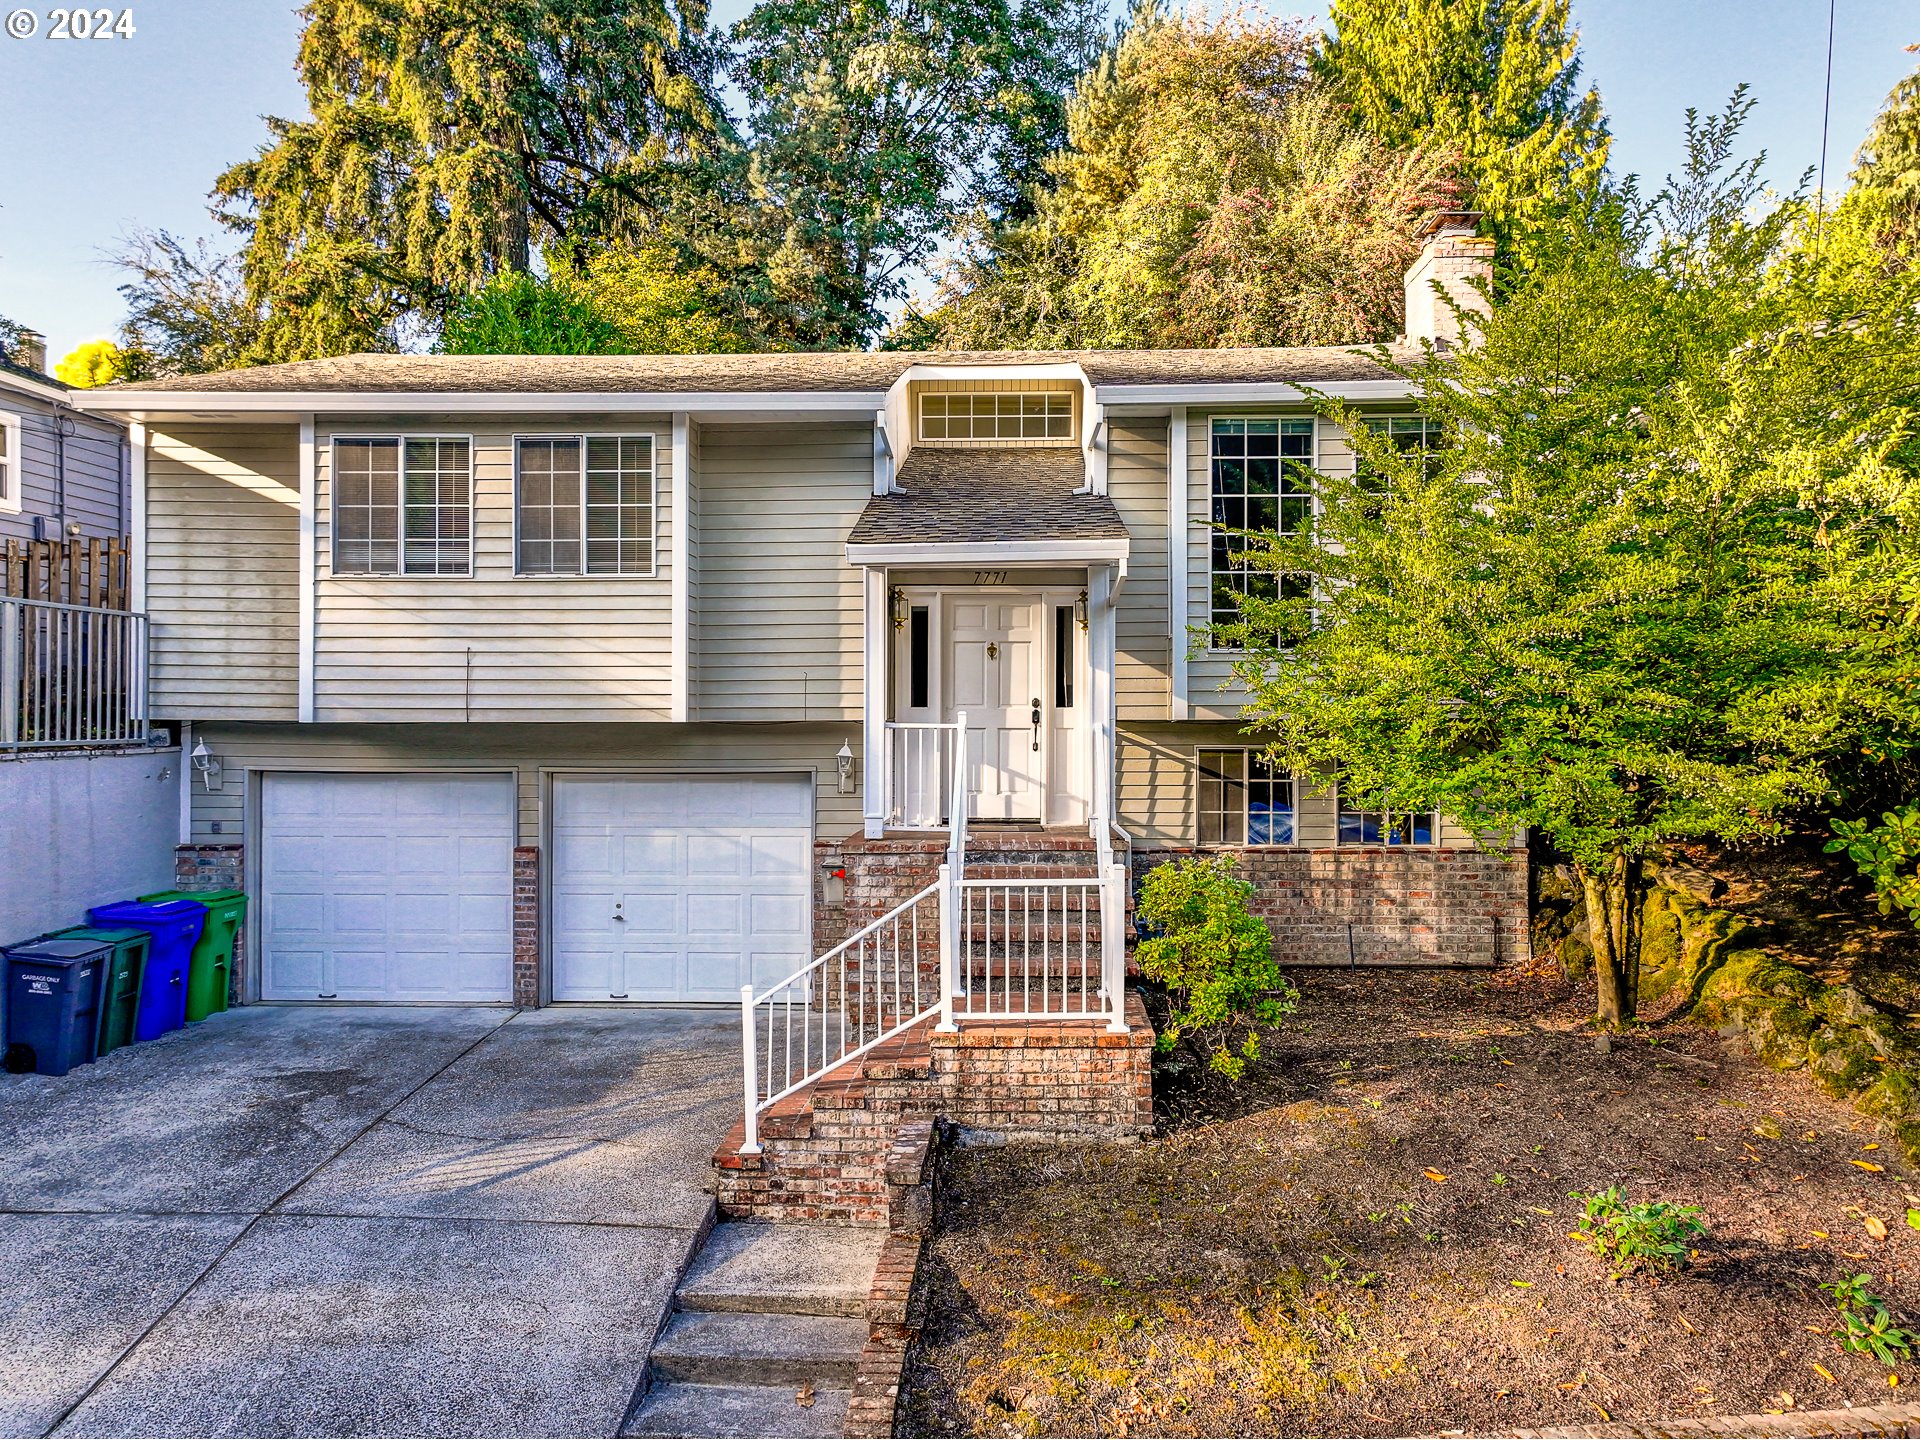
x: 1281, y: 1259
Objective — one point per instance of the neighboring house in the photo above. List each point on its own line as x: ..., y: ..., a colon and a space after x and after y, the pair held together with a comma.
x: 63, y: 471
x: 596, y: 678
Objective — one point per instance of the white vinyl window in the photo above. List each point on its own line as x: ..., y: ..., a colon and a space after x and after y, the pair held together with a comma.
x: 10, y: 463
x: 584, y: 505
x: 1260, y: 479
x: 973, y: 415
x: 402, y: 505
x: 1243, y: 800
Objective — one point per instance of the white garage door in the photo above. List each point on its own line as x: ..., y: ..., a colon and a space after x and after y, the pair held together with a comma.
x: 387, y: 887
x: 679, y: 888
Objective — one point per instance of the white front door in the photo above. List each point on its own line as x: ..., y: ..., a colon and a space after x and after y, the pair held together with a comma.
x: 994, y: 649
x: 677, y: 888
x: 386, y: 887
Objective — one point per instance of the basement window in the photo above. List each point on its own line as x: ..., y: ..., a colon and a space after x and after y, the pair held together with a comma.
x: 1386, y: 827
x: 1243, y: 800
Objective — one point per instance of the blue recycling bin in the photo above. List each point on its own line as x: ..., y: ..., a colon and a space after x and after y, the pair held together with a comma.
x: 53, y: 1003
x: 175, y: 927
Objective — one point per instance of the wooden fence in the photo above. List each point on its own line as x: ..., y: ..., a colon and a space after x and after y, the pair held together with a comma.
x: 68, y: 572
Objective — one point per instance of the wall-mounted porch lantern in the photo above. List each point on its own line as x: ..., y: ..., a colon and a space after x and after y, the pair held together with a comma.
x: 843, y: 762
x: 208, y: 764
x: 1080, y: 610
x: 897, y: 603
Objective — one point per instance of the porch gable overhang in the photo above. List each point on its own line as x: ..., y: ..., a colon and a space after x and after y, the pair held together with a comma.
x: 991, y: 507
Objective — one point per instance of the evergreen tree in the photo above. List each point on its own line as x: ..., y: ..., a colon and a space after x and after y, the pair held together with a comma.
x: 1889, y: 163
x: 874, y: 125
x: 450, y: 140
x: 1497, y: 81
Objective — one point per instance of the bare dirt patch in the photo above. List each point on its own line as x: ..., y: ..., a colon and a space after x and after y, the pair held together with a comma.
x: 1283, y: 1259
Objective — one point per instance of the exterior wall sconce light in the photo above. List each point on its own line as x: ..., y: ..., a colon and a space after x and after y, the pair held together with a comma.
x: 843, y: 762
x: 897, y: 605
x: 1080, y: 610
x: 208, y: 764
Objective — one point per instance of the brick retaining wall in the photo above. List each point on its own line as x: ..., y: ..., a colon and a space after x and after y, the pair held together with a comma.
x: 1406, y: 905
x: 526, y: 926
x: 218, y: 867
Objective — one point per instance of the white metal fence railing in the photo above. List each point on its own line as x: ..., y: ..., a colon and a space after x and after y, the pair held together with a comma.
x: 1024, y: 949
x: 71, y: 675
x: 922, y: 760
x: 1041, y: 949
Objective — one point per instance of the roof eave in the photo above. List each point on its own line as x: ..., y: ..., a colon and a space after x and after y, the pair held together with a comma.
x: 1002, y: 553
x: 746, y: 403
x: 1258, y: 392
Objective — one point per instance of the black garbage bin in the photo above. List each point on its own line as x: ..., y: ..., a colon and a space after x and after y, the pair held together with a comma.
x: 53, y: 1003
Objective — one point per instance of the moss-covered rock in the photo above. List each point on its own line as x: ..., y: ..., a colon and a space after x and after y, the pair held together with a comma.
x: 1842, y: 1060
x: 1777, y: 1029
x: 1663, y: 948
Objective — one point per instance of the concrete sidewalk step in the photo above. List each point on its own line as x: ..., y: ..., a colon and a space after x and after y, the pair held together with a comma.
x: 784, y: 1269
x: 738, y: 1410
x: 717, y: 1348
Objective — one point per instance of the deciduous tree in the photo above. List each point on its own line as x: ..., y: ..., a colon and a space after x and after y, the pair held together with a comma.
x: 1660, y: 581
x: 187, y: 308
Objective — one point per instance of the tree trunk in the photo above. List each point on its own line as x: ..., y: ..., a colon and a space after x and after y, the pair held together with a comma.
x: 1613, y: 927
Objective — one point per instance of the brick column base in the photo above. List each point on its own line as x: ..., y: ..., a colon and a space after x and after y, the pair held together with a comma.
x: 526, y: 926
x: 218, y: 867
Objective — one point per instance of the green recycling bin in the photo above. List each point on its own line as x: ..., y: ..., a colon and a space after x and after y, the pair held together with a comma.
x: 120, y: 989
x: 212, y: 969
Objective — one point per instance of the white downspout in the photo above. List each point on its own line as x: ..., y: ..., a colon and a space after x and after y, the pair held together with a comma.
x: 680, y: 488
x: 309, y: 498
x: 1177, y: 525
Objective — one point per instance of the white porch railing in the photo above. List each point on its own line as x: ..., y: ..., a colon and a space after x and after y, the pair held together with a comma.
x: 71, y: 675
x: 922, y: 761
x: 1020, y: 949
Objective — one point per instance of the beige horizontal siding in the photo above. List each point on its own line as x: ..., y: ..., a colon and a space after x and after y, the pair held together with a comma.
x: 492, y: 645
x: 1137, y: 485
x: 778, y: 630
x: 223, y: 540
x: 246, y: 751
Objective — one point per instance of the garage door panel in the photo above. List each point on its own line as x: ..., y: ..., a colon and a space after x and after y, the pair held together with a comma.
x: 704, y: 863
x: 389, y: 887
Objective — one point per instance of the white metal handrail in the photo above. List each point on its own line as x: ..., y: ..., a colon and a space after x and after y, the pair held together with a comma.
x: 922, y: 759
x: 1042, y: 949
x: 71, y: 675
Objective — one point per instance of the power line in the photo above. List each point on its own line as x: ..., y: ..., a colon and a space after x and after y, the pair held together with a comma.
x: 1826, y: 117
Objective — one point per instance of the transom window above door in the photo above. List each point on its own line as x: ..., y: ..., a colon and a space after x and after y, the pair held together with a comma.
x: 584, y: 505
x: 977, y: 415
x: 402, y: 505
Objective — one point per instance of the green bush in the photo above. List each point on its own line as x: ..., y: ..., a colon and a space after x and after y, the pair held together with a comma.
x: 1654, y: 1236
x: 1216, y: 959
x: 1888, y: 854
x: 1866, y: 1325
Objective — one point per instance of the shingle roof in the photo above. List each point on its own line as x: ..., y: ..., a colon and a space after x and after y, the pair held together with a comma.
x: 790, y: 371
x: 987, y: 497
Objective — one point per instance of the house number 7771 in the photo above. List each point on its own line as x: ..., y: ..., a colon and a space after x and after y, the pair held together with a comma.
x: 989, y: 577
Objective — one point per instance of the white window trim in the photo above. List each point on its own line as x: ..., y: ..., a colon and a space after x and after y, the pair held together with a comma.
x: 1246, y: 818
x: 333, y: 505
x: 652, y: 572
x: 1313, y: 464
x: 1383, y: 421
x: 1433, y: 815
x: 12, y: 493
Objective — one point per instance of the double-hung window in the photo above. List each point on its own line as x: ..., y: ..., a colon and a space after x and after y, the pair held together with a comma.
x: 584, y: 505
x: 402, y: 505
x: 1260, y: 480
x: 1386, y: 827
x: 9, y: 463
x: 1243, y: 800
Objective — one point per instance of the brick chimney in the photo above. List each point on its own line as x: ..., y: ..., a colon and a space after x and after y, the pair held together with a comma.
x: 32, y: 351
x: 1454, y: 256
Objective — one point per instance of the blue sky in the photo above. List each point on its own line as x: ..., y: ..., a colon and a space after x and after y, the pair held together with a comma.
x: 97, y: 136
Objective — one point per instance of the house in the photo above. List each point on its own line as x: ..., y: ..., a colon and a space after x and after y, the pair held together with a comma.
x: 641, y: 679
x: 63, y: 470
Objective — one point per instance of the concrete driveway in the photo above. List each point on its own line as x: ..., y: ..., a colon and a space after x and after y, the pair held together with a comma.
x: 333, y: 1221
